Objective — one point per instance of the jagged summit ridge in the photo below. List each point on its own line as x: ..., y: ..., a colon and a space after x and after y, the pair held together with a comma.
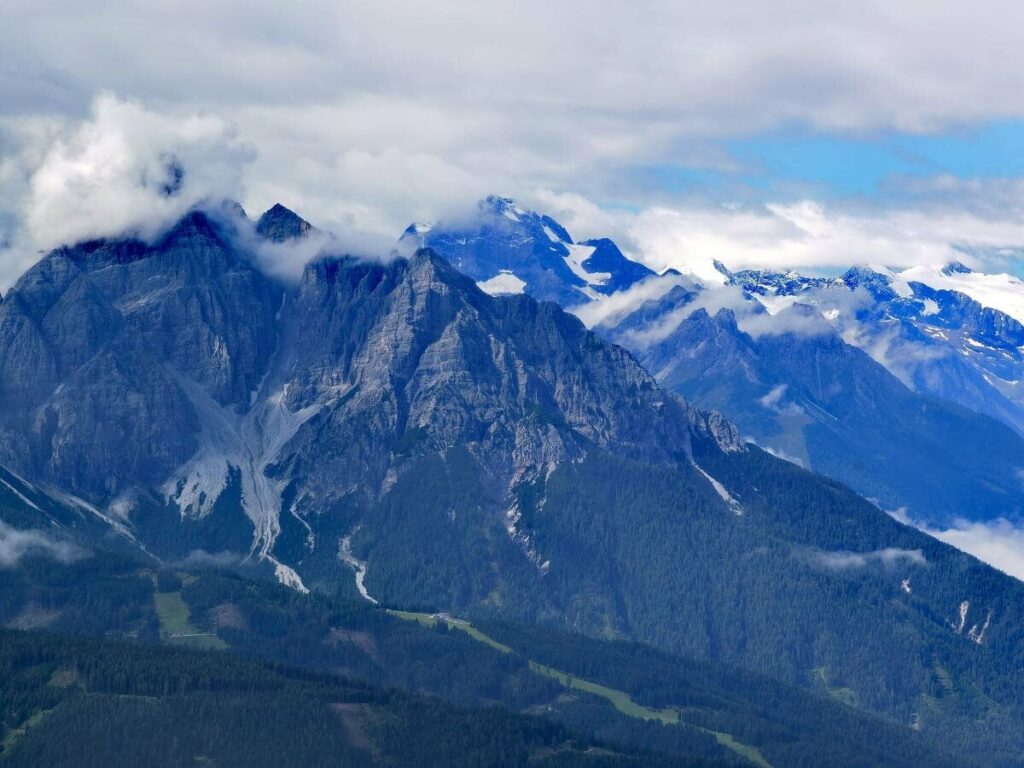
x: 956, y: 268
x: 292, y: 398
x: 279, y: 224
x: 508, y: 249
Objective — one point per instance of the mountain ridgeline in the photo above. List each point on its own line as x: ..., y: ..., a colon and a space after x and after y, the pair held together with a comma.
x: 908, y: 393
x: 389, y: 432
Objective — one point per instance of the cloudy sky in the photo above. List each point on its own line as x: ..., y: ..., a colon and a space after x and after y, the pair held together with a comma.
x: 798, y: 134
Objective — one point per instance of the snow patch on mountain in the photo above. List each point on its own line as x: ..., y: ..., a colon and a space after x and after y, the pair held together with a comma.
x: 722, y: 492
x: 996, y: 291
x: 965, y: 607
x: 551, y: 234
x: 21, y: 496
x: 503, y: 284
x: 575, y: 258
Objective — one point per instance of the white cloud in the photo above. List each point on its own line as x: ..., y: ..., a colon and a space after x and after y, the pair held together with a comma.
x: 798, y: 320
x: 774, y: 397
x: 127, y: 168
x: 779, y: 454
x: 713, y: 299
x: 200, y: 559
x: 15, y: 544
x: 750, y: 316
x: 612, y: 309
x: 888, y: 558
x: 1000, y: 543
x: 716, y: 68
x: 367, y: 117
x: 812, y: 235
x: 836, y: 309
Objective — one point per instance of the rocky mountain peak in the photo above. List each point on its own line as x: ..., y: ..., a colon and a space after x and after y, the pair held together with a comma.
x: 956, y: 268
x: 280, y: 224
x: 508, y: 249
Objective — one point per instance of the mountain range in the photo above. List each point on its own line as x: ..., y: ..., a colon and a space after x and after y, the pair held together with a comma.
x: 433, y: 435
x: 902, y: 385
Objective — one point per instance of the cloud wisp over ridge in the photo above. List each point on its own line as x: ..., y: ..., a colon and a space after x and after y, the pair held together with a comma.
x: 16, y: 544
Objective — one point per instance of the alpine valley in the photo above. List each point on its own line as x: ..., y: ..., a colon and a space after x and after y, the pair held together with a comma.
x: 502, y: 498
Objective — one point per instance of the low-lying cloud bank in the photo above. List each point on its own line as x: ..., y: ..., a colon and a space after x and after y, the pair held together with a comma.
x: 201, y: 559
x: 15, y: 545
x: 808, y: 234
x: 999, y: 542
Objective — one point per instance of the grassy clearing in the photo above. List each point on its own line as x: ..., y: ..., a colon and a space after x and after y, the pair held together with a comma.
x: 63, y: 678
x: 744, y: 750
x: 621, y: 700
x: 844, y: 695
x: 176, y: 626
x: 14, y: 734
x: 430, y: 620
x: 174, y: 613
x: 426, y: 619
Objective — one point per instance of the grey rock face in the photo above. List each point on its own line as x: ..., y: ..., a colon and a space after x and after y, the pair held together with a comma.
x: 279, y: 224
x: 92, y: 341
x: 144, y: 377
x: 413, y: 348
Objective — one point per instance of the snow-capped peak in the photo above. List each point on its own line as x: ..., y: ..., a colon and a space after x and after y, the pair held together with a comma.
x: 508, y: 249
x: 956, y: 268
x: 505, y: 206
x: 1002, y: 292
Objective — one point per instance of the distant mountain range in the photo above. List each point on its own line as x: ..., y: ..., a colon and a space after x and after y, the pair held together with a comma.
x: 899, y: 384
x: 411, y: 436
